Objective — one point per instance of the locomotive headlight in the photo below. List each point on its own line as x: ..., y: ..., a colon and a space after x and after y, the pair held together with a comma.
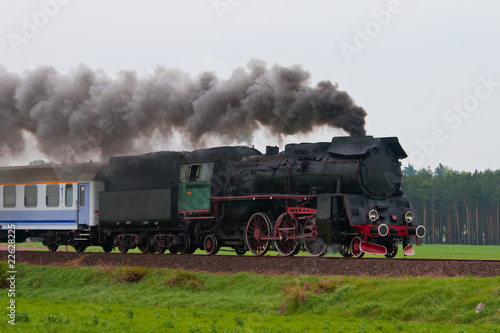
x: 420, y: 231
x: 409, y: 217
x: 373, y: 215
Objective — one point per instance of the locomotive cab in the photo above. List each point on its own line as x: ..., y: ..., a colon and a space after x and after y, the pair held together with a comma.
x: 194, y: 188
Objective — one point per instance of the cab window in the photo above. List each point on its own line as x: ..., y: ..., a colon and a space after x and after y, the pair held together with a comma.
x: 205, y: 171
x: 184, y: 172
x: 195, y: 172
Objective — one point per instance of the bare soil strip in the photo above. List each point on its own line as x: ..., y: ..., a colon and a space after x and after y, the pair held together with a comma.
x: 272, y: 265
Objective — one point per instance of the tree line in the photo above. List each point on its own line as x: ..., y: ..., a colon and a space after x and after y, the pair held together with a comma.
x: 455, y: 207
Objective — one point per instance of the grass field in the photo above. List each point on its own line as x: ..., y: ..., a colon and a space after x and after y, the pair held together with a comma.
x: 426, y: 251
x: 98, y: 299
x: 437, y: 251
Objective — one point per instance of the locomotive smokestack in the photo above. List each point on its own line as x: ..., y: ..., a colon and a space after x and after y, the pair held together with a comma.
x: 85, y: 114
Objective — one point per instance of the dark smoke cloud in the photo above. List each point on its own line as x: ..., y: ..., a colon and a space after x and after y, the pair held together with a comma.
x: 86, y: 114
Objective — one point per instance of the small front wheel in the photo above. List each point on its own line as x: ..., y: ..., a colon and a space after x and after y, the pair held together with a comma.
x: 211, y: 244
x: 356, y: 248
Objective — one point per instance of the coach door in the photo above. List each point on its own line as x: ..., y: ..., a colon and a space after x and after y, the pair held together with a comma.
x: 194, y: 190
x: 83, y: 203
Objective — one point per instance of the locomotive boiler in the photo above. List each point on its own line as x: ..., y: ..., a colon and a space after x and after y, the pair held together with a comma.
x: 343, y: 194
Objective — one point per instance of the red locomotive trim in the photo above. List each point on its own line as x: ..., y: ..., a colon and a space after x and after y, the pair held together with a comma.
x: 265, y: 196
x: 185, y: 212
x: 198, y: 217
x: 394, y: 230
x: 306, y: 212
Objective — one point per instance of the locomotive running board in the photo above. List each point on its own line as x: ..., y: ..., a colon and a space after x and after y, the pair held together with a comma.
x: 408, y: 251
x: 373, y: 248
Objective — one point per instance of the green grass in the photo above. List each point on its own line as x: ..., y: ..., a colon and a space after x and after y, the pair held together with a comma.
x: 92, y: 299
x: 426, y: 251
x: 442, y: 251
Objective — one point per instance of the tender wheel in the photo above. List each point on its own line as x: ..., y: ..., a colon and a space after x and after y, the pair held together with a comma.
x: 145, y: 246
x: 315, y: 246
x: 258, y: 226
x: 122, y: 249
x: 80, y: 247
x: 159, y: 249
x: 53, y: 247
x: 211, y: 244
x: 173, y: 250
x: 185, y: 246
x: 356, y: 248
x: 285, y: 227
x: 345, y: 250
x: 392, y: 250
x: 107, y: 247
x: 240, y: 252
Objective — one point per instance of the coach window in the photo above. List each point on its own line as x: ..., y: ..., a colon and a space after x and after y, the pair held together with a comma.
x: 9, y: 196
x: 69, y: 195
x: 52, y: 196
x: 82, y: 195
x: 30, y: 196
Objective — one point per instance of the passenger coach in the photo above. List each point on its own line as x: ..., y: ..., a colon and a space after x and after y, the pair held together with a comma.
x: 56, y: 202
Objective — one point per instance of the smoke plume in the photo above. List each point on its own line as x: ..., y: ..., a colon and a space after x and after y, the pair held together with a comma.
x: 86, y: 113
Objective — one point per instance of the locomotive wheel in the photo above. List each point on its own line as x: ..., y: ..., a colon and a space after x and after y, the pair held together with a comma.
x: 258, y: 226
x: 316, y: 247
x: 287, y: 247
x: 356, y: 248
x: 345, y: 251
x: 211, y: 244
x: 392, y: 250
x: 146, y: 243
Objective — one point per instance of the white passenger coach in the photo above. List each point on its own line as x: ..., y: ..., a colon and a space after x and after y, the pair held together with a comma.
x: 46, y: 198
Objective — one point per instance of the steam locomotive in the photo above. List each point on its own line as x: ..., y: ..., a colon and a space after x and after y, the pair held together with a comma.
x: 344, y: 194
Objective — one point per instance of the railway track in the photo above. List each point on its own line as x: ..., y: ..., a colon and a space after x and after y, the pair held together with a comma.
x: 272, y: 265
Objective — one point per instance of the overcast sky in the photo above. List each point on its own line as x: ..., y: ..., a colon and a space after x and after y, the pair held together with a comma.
x: 427, y: 72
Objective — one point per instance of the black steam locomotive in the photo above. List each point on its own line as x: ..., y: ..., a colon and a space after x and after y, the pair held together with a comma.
x: 313, y: 196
